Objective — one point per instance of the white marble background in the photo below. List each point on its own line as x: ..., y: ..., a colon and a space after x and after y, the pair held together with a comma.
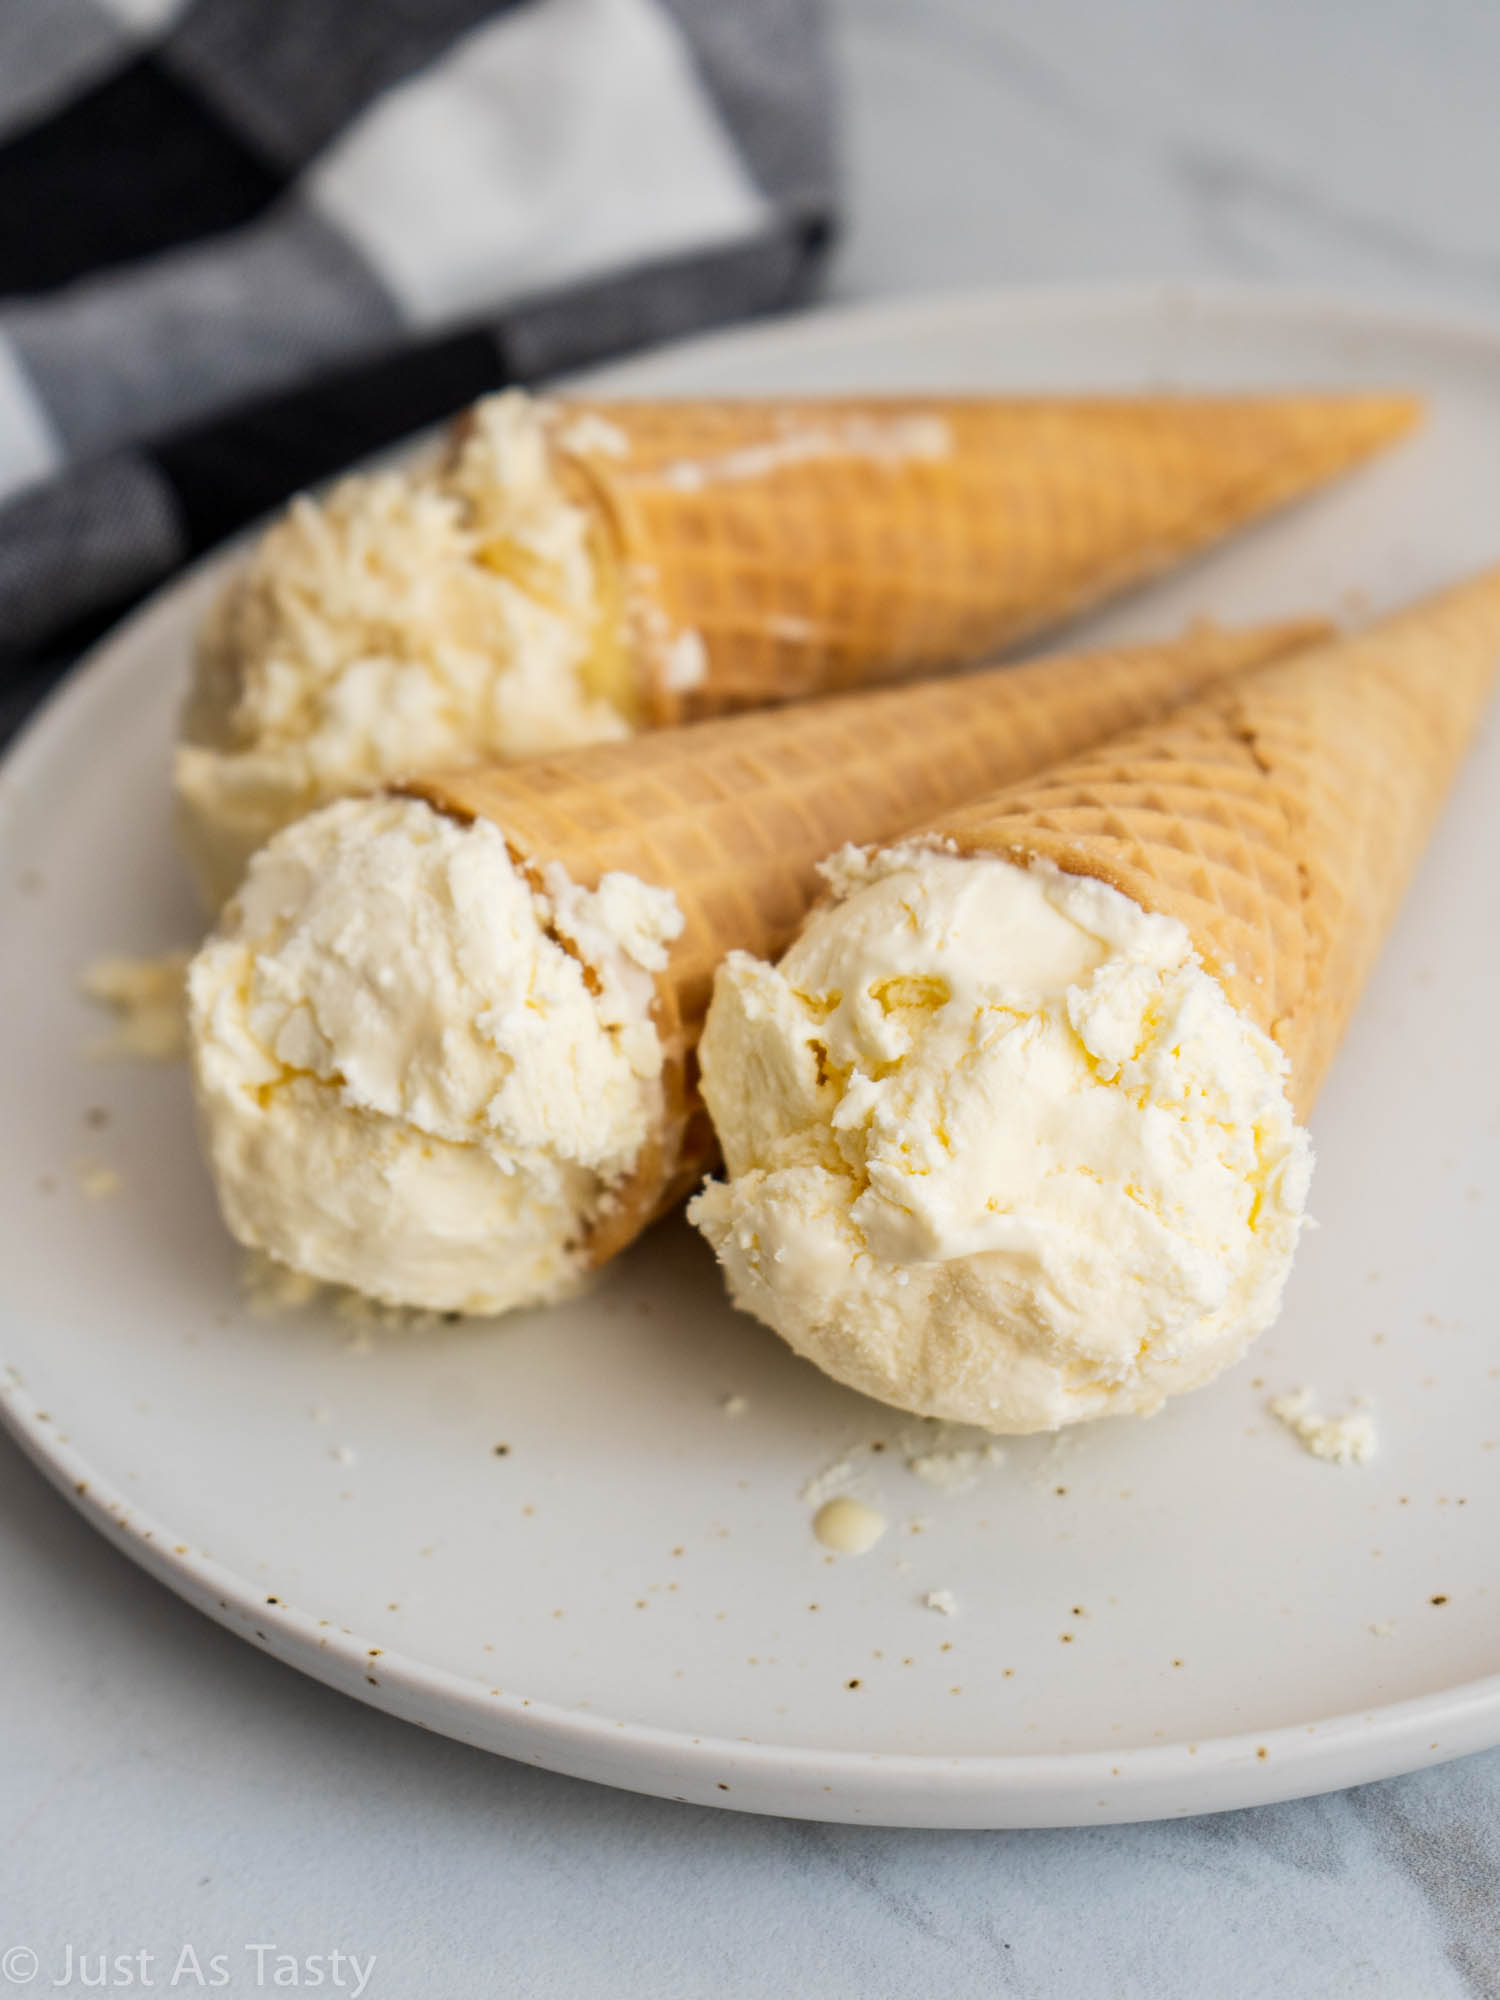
x: 162, y: 1784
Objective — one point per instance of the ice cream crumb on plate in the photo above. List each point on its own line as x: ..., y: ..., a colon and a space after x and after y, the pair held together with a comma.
x: 148, y: 999
x: 954, y: 1468
x: 830, y: 1482
x: 1351, y: 1439
x: 272, y: 1288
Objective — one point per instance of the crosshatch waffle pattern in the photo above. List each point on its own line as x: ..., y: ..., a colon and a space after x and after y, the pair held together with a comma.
x: 734, y: 815
x: 1279, y: 817
x: 828, y: 544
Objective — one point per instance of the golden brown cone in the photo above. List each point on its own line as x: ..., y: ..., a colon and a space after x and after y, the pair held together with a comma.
x: 733, y: 816
x: 1279, y: 817
x: 822, y: 545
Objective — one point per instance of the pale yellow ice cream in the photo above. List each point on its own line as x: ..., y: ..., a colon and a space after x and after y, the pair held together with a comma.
x: 408, y: 1082
x: 413, y: 620
x: 998, y: 1149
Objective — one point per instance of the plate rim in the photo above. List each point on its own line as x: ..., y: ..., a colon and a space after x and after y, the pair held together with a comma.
x: 866, y: 1787
x: 1255, y: 1768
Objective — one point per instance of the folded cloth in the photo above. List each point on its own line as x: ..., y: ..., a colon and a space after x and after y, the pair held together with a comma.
x: 243, y: 242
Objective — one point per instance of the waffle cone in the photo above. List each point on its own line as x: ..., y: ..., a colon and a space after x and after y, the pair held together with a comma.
x: 1279, y: 817
x: 734, y: 815
x: 759, y: 552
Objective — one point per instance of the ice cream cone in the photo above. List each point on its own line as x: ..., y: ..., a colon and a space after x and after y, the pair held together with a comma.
x: 1279, y: 816
x: 562, y: 573
x: 759, y: 551
x: 734, y: 815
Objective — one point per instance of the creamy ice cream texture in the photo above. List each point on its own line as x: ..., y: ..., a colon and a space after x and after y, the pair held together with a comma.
x: 413, y: 620
x: 419, y: 1073
x: 998, y: 1148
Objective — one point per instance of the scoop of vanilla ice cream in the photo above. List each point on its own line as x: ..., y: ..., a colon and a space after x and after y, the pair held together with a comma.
x: 999, y: 1150
x: 411, y: 621
x: 407, y: 1082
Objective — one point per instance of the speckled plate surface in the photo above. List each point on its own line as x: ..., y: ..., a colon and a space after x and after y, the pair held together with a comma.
x: 580, y: 1537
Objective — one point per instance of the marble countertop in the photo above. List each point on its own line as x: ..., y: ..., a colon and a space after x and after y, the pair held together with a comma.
x: 165, y: 1786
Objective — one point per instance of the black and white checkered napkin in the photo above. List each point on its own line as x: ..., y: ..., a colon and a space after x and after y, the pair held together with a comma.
x: 243, y: 242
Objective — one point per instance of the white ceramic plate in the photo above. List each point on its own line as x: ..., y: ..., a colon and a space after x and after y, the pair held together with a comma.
x: 1153, y: 1618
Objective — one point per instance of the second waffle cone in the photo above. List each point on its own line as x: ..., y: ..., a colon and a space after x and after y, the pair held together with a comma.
x: 734, y: 816
x: 1279, y: 817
